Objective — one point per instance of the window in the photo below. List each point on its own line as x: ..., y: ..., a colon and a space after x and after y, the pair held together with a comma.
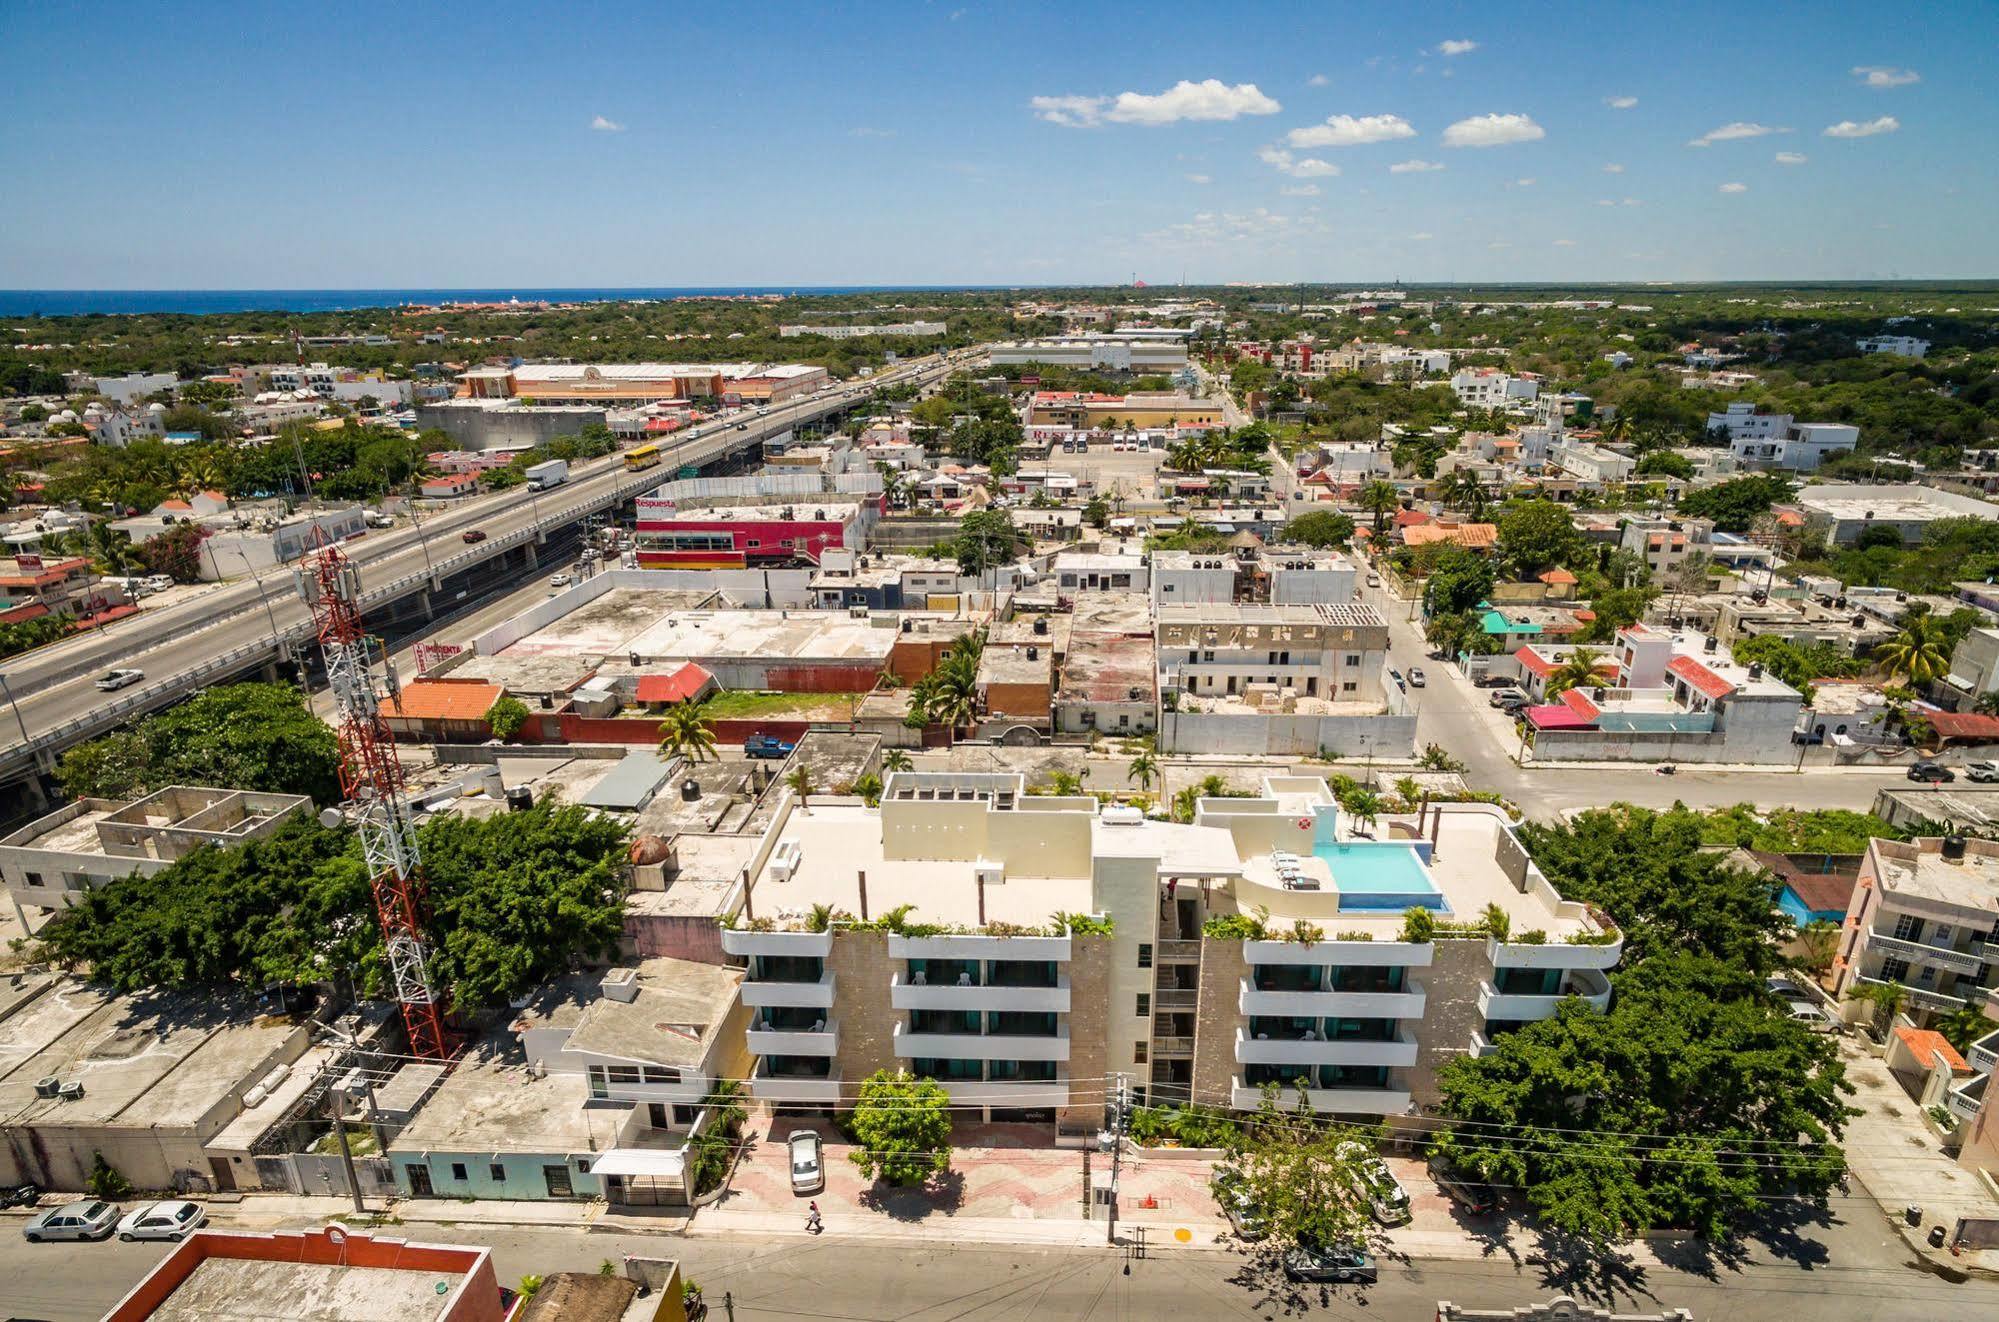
x: 1145, y: 954
x: 1908, y: 927
x: 657, y: 1074
x: 1138, y: 1053
x: 1894, y: 970
x: 583, y: 1165
x: 457, y: 1170
x: 34, y: 878
x: 623, y: 1074
x: 1144, y: 1004
x: 498, y: 1171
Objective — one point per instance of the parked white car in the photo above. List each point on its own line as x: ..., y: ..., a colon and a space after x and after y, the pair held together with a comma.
x: 808, y: 1163
x: 174, y: 1219
x: 112, y: 681
x: 89, y: 1219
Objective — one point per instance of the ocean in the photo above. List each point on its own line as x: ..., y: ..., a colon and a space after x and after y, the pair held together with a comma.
x: 81, y: 302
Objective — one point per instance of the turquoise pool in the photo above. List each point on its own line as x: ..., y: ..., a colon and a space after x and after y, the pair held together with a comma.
x: 1383, y: 875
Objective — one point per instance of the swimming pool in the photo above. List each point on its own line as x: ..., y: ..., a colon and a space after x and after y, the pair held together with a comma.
x: 1381, y: 875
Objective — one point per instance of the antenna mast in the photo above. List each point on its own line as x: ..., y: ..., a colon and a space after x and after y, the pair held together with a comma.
x: 371, y: 778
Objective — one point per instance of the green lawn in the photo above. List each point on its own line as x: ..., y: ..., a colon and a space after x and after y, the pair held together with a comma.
x: 735, y: 706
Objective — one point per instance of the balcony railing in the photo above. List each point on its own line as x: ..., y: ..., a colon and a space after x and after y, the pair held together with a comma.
x: 809, y: 944
x: 1183, y: 952
x: 812, y: 995
x: 799, y: 1088
x: 1328, y: 1101
x: 1957, y: 961
x: 770, y: 1040
x: 1399, y: 1050
x: 1589, y: 984
x: 1172, y: 1047
x: 904, y: 994
x: 980, y: 1046
x: 1176, y: 998
x: 1407, y: 1003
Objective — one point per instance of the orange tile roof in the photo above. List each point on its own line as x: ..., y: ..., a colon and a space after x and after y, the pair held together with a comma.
x: 681, y: 685
x: 1927, y: 1042
x: 1698, y: 675
x: 1476, y: 536
x: 1558, y: 576
x: 444, y: 700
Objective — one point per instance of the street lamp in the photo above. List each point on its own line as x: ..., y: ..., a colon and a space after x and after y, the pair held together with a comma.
x: 263, y: 598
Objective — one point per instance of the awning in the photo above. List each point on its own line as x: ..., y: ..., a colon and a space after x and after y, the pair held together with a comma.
x: 642, y: 1161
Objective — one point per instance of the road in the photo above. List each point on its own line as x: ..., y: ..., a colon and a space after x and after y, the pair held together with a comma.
x: 54, y: 686
x: 1846, y: 1273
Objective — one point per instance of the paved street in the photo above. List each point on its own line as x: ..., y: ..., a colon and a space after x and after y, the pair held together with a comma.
x: 794, y: 1276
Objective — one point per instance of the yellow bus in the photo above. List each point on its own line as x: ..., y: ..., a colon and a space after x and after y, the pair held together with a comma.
x: 644, y: 456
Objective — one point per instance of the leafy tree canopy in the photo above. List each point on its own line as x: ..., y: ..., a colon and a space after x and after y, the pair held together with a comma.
x: 245, y: 736
x: 1323, y: 528
x: 1538, y: 535
x: 901, y: 1127
x: 1734, y: 505
x: 1459, y: 580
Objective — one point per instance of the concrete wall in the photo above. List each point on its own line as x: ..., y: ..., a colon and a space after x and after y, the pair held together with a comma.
x: 1604, y: 746
x: 1222, y: 970
x: 861, y: 972
x: 1128, y: 888
x: 1450, y: 1015
x: 1385, y: 735
x: 523, y: 1182
x: 503, y: 429
x: 1093, y: 1052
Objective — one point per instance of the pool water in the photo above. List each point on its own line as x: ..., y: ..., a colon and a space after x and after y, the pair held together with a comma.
x: 1379, y: 876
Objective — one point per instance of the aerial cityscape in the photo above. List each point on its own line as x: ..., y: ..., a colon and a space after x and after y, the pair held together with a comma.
x: 1131, y: 664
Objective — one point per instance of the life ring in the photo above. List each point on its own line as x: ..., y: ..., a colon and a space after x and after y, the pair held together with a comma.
x: 1304, y: 823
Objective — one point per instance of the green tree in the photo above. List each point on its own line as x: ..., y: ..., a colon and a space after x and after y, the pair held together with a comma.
x: 1734, y: 505
x: 1536, y: 535
x: 1298, y: 1171
x: 1380, y: 499
x: 175, y: 553
x: 1692, y: 1103
x: 1917, y: 653
x: 104, y: 1181
x: 1886, y: 998
x: 245, y: 736
x: 901, y: 1126
x: 506, y: 716
x: 1097, y: 513
x: 1963, y: 1026
x: 987, y: 539
x: 1664, y: 463
x: 1647, y: 868
x: 895, y: 760
x: 1322, y: 528
x: 688, y: 732
x: 1364, y: 806
x: 1144, y: 769
x: 1459, y: 581
x: 1577, y: 670
x: 1820, y: 940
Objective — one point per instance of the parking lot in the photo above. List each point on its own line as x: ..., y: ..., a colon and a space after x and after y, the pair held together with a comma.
x: 1130, y: 473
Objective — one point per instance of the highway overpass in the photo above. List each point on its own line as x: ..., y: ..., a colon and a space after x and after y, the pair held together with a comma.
x: 49, y: 702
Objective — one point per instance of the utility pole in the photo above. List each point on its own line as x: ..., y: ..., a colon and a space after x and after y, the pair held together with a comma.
x: 333, y: 1098
x: 1119, y: 1117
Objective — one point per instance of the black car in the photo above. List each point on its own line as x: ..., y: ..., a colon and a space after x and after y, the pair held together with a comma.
x: 20, y: 1195
x: 1339, y: 1264
x: 1932, y: 773
x: 1464, y: 1190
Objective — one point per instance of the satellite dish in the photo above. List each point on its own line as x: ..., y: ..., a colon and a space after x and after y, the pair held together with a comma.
x: 330, y: 817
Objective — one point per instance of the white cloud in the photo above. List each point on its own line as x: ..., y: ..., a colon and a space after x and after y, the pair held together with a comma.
x: 1208, y: 100
x: 1629, y: 202
x: 1317, y: 80
x: 1199, y: 179
x: 1846, y: 128
x: 1423, y: 236
x: 1492, y: 131
x: 1415, y: 167
x: 1528, y: 182
x: 1209, y: 228
x: 1735, y: 188
x: 1311, y: 167
x: 865, y: 132
x: 1620, y: 102
x: 1299, y: 190
x: 1565, y: 243
x: 603, y: 125
x: 1613, y: 168
x: 1459, y: 47
x: 1883, y: 76
x: 1349, y: 131
x: 1734, y: 131
x: 1606, y: 201
x: 1791, y: 158
x: 1498, y: 243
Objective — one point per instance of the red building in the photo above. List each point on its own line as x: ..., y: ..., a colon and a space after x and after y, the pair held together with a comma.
x: 738, y: 536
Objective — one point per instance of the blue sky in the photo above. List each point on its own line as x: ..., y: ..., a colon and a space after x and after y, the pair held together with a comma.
x: 209, y: 146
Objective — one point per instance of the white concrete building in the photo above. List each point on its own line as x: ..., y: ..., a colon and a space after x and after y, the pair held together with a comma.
x: 1590, y: 463
x: 123, y: 390
x: 1847, y: 509
x: 863, y: 332
x: 1774, y: 440
x: 1925, y: 914
x: 1491, y: 388
x: 1908, y: 346
x: 1119, y: 351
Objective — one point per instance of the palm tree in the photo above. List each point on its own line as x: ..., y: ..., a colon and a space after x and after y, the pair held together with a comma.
x: 1363, y: 806
x: 869, y: 787
x: 1380, y: 499
x: 1577, y: 671
x: 1497, y: 921
x: 110, y: 548
x: 894, y: 761
x: 1887, y: 998
x: 1820, y: 939
x: 1066, y: 784
x: 1918, y: 654
x: 1144, y: 769
x: 800, y: 781
x: 1186, y: 803
x: 1462, y: 490
x: 1409, y: 790
x: 687, y: 732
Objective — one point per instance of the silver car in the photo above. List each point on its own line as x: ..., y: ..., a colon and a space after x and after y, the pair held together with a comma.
x: 808, y: 1164
x: 174, y: 1219
x: 91, y: 1219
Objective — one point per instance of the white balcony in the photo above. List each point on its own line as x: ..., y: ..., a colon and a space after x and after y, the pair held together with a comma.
x: 803, y: 1091
x: 978, y: 947
x: 1328, y: 1101
x: 973, y: 1092
x: 979, y: 1046
x: 1965, y: 1100
x: 1921, y: 997
x: 1519, y: 955
x: 794, y: 1041
x: 811, y: 995
x: 1957, y: 961
x: 1481, y: 1047
x: 1400, y: 1050
x: 1405, y: 1004
x: 808, y: 944
x: 906, y: 995
x: 1984, y: 1054
x: 1357, y: 954
x: 1589, y: 984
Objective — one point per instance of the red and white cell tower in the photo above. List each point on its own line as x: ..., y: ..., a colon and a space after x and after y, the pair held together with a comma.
x: 371, y: 778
